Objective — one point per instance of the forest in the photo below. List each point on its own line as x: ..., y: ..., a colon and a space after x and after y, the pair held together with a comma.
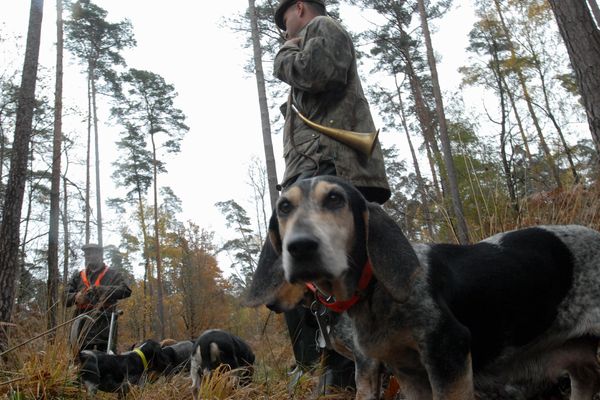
x: 517, y: 145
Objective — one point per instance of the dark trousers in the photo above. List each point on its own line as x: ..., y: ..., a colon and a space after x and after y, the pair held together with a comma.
x: 303, y: 329
x: 92, y: 334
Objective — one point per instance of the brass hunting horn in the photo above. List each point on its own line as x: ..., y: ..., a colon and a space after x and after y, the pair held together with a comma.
x: 363, y: 142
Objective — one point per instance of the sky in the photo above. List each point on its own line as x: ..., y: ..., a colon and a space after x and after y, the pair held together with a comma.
x: 186, y: 43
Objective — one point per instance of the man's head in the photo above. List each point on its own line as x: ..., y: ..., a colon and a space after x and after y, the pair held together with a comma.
x: 93, y: 254
x: 292, y: 15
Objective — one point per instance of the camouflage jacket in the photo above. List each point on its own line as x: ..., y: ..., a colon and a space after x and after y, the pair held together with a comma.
x: 326, y: 88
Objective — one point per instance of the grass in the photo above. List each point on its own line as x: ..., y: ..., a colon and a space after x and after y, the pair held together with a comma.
x: 44, y: 370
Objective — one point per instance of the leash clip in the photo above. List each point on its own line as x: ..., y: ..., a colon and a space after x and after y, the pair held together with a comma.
x: 320, y: 312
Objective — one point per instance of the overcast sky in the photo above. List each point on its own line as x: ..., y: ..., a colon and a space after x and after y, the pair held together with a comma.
x: 184, y: 42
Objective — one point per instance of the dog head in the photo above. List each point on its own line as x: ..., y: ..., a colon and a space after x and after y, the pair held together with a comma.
x: 88, y: 372
x: 157, y: 361
x: 325, y: 231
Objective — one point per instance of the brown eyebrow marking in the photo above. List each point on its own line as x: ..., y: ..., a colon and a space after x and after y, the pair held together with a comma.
x: 321, y: 189
x: 294, y: 195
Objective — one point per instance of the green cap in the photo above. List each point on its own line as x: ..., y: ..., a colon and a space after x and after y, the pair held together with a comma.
x: 91, y: 248
x: 285, y: 4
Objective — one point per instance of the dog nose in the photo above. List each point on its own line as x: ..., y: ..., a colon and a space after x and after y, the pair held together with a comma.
x: 303, y: 246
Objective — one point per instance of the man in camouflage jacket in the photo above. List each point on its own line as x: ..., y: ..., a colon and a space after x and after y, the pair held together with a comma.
x: 95, y: 291
x: 318, y: 61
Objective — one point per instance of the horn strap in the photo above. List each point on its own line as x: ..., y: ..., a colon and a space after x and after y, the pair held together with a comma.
x: 343, y: 305
x: 143, y: 357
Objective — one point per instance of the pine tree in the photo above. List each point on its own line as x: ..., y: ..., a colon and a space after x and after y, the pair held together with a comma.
x: 97, y: 43
x: 55, y: 180
x: 15, y: 188
x: 147, y: 105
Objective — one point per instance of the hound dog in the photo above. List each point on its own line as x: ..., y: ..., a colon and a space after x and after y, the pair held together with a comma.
x: 115, y: 372
x: 215, y: 347
x: 175, y: 357
x: 269, y: 287
x: 521, y: 306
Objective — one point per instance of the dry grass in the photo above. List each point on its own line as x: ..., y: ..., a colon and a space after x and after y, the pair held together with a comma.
x: 40, y: 370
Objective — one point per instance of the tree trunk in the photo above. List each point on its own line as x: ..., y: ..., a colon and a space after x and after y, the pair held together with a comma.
x: 426, y: 124
x: 595, y: 11
x: 582, y: 39
x: 513, y: 105
x: 159, y: 288
x: 508, y: 175
x: 550, y: 114
x: 461, y: 224
x: 264, y: 107
x: 65, y: 221
x: 97, y: 159
x: 547, y: 109
x: 53, y: 279
x: 88, y: 157
x: 522, y: 81
x: 20, y: 287
x: 420, y: 180
x: 15, y: 188
x: 147, y: 264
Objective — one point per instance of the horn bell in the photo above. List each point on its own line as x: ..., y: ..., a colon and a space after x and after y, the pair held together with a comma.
x: 363, y: 142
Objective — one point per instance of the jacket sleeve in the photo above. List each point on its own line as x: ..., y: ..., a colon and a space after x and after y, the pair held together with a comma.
x: 321, y: 63
x: 72, y: 289
x: 115, y: 288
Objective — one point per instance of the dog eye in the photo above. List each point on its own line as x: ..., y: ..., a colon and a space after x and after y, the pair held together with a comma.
x: 284, y: 207
x: 334, y: 200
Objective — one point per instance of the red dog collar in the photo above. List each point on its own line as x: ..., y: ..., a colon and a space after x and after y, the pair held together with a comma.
x: 341, y: 306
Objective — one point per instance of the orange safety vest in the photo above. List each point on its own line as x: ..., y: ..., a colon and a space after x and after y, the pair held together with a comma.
x: 87, y: 285
x: 85, y: 280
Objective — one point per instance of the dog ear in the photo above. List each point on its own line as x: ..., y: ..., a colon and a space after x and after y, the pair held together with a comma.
x: 393, y: 259
x: 267, y: 277
x: 274, y: 235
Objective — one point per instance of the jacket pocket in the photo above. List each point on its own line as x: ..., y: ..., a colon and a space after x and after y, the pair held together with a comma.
x: 303, y: 141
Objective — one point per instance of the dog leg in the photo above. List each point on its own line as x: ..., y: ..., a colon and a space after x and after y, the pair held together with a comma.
x: 195, y: 384
x: 367, y: 373
x: 451, y: 384
x: 447, y: 359
x: 414, y: 386
x: 195, y: 365
x: 585, y: 382
x: 123, y: 390
x: 91, y: 389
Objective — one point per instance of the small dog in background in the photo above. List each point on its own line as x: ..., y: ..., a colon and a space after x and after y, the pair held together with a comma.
x: 115, y: 372
x: 175, y: 356
x: 216, y: 347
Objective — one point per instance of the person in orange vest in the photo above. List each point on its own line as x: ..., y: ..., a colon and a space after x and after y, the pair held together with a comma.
x: 95, y: 291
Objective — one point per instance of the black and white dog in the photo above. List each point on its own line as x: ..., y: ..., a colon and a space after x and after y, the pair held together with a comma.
x: 115, y: 372
x: 520, y: 307
x: 216, y: 347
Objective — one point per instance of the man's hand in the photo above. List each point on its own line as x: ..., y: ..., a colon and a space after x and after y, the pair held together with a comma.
x: 293, y: 42
x: 81, y: 298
